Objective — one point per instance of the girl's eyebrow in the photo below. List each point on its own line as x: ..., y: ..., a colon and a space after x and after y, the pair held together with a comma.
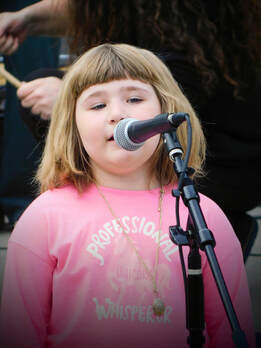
x: 134, y: 88
x: 95, y: 94
x: 122, y: 89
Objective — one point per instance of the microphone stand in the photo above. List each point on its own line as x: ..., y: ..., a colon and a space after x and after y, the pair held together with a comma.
x: 197, y: 236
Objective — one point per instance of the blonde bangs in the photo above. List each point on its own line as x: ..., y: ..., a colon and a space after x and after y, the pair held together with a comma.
x: 96, y: 67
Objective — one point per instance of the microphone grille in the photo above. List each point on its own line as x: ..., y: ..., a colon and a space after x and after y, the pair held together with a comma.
x: 121, y: 135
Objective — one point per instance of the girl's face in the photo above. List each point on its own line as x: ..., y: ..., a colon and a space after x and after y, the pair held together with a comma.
x: 98, y: 110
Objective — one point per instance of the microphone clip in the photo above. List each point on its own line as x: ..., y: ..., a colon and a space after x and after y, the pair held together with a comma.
x: 172, y: 145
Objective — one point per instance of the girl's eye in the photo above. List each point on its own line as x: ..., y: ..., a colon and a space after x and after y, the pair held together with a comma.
x: 134, y: 100
x: 98, y: 106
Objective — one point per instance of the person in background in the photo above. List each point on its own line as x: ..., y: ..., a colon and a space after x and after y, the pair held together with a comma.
x: 20, y: 153
x: 213, y: 51
x: 90, y: 262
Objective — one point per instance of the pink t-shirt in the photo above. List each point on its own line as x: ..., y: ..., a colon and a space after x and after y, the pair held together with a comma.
x: 73, y: 280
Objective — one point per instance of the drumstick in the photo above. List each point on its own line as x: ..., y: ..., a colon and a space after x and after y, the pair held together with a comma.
x: 9, y: 77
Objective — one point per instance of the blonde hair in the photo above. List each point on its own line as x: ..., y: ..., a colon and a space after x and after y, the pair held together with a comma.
x: 65, y: 159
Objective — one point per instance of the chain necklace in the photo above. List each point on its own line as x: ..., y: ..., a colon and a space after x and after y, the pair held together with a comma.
x: 158, y: 305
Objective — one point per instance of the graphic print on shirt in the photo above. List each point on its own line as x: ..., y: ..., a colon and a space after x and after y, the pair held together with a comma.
x: 131, y: 278
x: 110, y: 310
x: 132, y: 225
x: 125, y: 280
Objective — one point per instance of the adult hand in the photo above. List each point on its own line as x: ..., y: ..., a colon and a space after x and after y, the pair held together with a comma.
x: 45, y: 17
x: 13, y: 31
x: 40, y: 95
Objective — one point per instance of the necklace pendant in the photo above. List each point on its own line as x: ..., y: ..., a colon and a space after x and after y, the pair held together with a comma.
x: 158, y: 307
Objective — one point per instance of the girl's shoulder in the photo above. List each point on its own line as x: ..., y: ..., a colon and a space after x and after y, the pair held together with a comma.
x: 56, y: 197
x: 53, y: 202
x: 45, y: 213
x: 58, y: 193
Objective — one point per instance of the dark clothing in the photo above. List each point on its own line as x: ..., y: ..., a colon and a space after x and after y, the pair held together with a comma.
x: 233, y: 132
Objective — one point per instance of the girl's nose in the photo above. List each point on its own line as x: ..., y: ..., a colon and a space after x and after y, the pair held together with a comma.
x: 116, y: 110
x: 116, y: 116
x: 116, y: 119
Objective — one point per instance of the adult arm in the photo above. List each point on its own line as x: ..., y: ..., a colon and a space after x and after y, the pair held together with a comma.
x: 46, y: 17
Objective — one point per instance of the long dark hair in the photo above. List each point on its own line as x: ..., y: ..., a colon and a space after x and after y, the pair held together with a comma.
x: 220, y: 38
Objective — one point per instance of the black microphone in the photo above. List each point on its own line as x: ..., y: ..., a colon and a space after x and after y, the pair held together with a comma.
x: 130, y: 134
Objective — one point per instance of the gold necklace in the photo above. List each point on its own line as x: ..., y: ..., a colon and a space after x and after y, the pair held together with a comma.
x: 158, y: 305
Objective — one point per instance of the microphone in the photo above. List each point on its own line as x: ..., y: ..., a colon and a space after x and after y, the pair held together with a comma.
x: 130, y: 134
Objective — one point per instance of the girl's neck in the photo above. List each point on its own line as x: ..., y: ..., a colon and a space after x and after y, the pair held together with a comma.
x: 134, y: 181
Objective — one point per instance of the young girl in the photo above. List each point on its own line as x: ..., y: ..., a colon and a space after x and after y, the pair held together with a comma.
x: 90, y: 262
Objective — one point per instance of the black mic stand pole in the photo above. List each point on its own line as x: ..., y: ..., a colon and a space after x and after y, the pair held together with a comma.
x: 198, y: 236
